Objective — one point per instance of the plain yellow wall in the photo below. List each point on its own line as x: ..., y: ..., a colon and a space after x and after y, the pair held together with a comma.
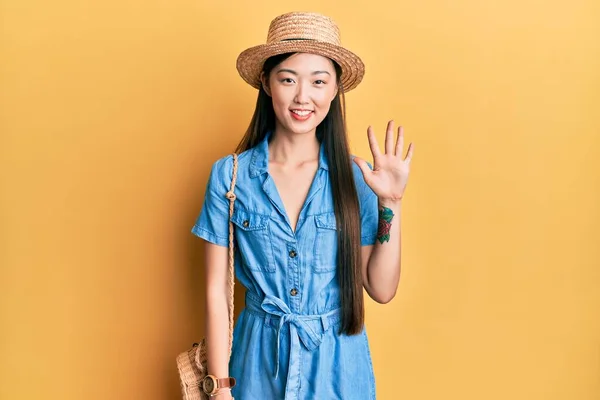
x: 113, y: 111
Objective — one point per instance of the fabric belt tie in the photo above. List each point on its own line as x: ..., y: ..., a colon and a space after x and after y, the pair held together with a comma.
x: 301, y: 329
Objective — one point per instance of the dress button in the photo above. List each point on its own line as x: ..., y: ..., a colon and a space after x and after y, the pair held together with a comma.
x: 246, y: 223
x: 293, y: 253
x: 294, y: 292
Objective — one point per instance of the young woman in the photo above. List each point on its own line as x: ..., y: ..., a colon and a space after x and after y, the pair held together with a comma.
x: 313, y: 226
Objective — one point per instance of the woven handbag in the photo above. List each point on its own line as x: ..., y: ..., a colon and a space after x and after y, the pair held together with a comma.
x: 192, y: 364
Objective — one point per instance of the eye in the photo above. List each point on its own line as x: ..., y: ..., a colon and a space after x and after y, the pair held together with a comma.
x: 286, y: 80
x: 320, y: 82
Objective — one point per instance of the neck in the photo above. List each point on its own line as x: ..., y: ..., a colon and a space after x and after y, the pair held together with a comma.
x: 293, y: 149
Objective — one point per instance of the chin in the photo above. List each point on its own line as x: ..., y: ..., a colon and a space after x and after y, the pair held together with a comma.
x: 301, y: 128
x: 304, y: 131
x: 292, y: 129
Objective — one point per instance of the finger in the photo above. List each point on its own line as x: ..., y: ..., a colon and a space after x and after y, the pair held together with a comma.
x: 409, y: 153
x: 364, y: 167
x: 389, y: 138
x: 400, y: 141
x: 373, y: 142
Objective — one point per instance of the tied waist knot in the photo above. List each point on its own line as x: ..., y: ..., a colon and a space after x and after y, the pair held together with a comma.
x: 302, y: 327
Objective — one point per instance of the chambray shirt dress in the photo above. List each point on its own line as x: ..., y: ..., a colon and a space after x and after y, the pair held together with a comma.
x: 285, y: 341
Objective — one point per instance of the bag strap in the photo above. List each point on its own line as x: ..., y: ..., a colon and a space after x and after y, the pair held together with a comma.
x: 231, y: 196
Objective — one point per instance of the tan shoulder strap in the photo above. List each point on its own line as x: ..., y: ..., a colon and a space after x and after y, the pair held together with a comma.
x: 231, y: 196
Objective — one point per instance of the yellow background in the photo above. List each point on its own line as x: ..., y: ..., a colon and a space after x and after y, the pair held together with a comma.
x: 113, y: 111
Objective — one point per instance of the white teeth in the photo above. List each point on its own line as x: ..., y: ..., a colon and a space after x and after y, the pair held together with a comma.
x: 302, y: 113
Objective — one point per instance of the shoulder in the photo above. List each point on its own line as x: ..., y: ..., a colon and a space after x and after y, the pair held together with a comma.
x: 222, y: 168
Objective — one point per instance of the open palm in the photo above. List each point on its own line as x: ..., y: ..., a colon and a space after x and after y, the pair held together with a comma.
x: 389, y: 176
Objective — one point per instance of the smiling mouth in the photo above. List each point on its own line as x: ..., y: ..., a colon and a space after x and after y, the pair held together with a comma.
x: 301, y: 113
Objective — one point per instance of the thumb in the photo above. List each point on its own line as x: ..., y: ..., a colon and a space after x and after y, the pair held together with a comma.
x: 364, y: 166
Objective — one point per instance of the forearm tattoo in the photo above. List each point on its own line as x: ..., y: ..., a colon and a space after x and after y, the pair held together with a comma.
x: 385, y: 224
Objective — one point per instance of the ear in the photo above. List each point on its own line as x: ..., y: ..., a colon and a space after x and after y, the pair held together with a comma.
x: 265, y: 83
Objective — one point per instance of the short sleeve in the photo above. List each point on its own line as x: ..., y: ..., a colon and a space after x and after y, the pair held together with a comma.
x: 369, y: 213
x: 212, y: 224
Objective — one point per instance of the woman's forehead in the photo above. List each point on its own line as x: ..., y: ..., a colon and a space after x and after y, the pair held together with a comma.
x: 307, y: 61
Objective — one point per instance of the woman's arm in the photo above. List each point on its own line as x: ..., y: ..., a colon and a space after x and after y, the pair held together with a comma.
x: 216, y: 263
x: 387, y: 179
x: 381, y: 262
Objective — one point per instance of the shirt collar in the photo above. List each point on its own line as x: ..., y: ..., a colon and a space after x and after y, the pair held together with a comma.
x: 259, y: 163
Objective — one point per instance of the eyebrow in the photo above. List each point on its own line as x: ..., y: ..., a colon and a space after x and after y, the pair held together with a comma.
x: 291, y: 71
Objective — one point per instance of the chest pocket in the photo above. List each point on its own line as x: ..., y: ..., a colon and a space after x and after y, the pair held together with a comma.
x: 326, y: 244
x: 253, y: 240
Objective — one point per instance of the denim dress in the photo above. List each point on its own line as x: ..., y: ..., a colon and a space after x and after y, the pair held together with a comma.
x: 285, y: 341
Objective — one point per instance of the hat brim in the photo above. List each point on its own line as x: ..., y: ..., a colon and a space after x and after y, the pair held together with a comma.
x: 250, y: 61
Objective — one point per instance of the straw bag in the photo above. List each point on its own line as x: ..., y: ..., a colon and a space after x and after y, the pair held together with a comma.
x: 192, y: 364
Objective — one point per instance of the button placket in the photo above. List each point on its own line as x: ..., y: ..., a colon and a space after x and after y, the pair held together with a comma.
x: 293, y: 276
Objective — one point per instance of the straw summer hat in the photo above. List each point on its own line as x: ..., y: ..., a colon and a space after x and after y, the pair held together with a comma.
x: 300, y: 32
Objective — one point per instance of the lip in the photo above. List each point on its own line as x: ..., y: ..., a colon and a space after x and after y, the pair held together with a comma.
x: 301, y: 117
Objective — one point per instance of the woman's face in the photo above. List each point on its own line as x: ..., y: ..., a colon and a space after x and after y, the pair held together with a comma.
x: 302, y: 88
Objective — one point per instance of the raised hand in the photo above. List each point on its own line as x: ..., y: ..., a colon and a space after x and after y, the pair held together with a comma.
x: 389, y: 176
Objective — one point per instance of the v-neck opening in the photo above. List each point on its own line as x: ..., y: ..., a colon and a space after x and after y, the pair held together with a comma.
x: 313, y: 189
x: 276, y: 198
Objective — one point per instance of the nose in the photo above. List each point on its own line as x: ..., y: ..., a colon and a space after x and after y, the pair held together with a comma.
x: 301, y: 94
